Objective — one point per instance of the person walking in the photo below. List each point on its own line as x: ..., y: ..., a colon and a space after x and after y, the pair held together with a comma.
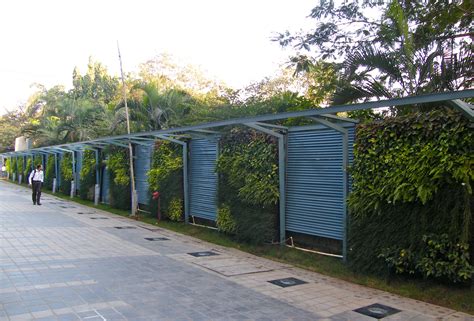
x: 36, y: 180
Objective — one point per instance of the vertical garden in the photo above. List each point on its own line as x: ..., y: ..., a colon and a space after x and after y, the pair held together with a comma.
x: 411, y: 200
x: 248, y: 192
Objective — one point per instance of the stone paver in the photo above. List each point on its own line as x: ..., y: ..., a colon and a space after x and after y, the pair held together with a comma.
x: 58, y: 263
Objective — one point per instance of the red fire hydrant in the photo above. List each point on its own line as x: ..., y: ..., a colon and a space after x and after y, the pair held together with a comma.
x: 156, y: 196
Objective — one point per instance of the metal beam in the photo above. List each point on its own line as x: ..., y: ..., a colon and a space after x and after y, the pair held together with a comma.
x: 465, y: 108
x: 414, y: 100
x: 349, y: 120
x: 271, y: 125
x: 281, y: 175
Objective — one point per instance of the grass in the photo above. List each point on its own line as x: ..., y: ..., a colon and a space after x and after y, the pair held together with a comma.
x: 461, y: 299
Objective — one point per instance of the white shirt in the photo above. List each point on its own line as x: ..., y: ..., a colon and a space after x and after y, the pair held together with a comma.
x: 36, y: 175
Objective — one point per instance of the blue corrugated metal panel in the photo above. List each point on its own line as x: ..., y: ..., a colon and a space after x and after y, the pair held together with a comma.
x: 315, y: 182
x: 203, y: 178
x: 79, y: 156
x: 105, y: 185
x: 142, y: 166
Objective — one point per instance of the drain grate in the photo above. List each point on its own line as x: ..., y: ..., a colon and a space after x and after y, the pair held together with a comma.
x: 85, y: 213
x: 204, y: 253
x: 377, y: 310
x: 125, y: 227
x: 284, y: 283
x: 156, y: 239
x: 99, y: 218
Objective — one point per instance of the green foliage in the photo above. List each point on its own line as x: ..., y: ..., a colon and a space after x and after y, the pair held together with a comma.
x: 438, y: 258
x: 442, y: 258
x: 166, y: 176
x: 248, y: 160
x: 248, y: 183
x: 13, y: 166
x: 175, y: 209
x: 49, y: 173
x: 27, y: 170
x: 412, y: 176
x: 38, y: 160
x: 20, y: 169
x: 65, y: 168
x: 225, y: 221
x: 118, y: 164
x: 87, y: 175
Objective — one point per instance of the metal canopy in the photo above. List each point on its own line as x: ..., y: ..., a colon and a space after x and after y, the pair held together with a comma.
x: 453, y: 98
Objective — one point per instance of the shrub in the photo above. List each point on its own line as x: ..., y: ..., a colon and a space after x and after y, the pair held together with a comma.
x: 175, y: 209
x: 439, y: 258
x: 225, y: 220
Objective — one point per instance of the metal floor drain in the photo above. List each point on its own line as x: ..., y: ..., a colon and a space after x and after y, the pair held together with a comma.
x: 284, y: 283
x: 204, y: 253
x: 156, y: 239
x: 125, y: 227
x: 377, y: 310
x: 99, y: 218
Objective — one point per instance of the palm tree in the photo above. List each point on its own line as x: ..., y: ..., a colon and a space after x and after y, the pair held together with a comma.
x: 151, y: 109
x: 403, y: 67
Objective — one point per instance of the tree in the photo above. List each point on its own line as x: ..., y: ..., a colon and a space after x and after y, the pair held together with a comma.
x: 341, y: 28
x: 399, y: 52
x: 404, y: 67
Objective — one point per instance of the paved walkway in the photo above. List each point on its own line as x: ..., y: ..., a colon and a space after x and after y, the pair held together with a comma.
x: 63, y: 261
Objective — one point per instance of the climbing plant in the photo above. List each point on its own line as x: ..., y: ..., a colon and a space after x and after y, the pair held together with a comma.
x: 66, y: 173
x: 13, y: 167
x: 118, y: 164
x: 49, y: 172
x: 412, y: 176
x: 87, y: 175
x: 38, y: 160
x: 27, y: 170
x: 166, y: 177
x: 20, y: 169
x: 248, y: 185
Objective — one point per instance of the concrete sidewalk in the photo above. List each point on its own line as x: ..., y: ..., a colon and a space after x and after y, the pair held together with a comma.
x: 64, y: 261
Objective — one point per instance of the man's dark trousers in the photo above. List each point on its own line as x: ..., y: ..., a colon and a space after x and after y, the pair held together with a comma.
x: 37, y: 192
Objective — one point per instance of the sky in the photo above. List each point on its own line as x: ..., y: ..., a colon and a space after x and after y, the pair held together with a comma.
x: 42, y: 41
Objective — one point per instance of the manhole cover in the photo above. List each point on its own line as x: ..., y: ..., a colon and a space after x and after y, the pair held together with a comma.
x: 124, y: 227
x: 204, y: 253
x: 284, y: 283
x: 156, y: 239
x: 377, y: 311
x: 99, y: 218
